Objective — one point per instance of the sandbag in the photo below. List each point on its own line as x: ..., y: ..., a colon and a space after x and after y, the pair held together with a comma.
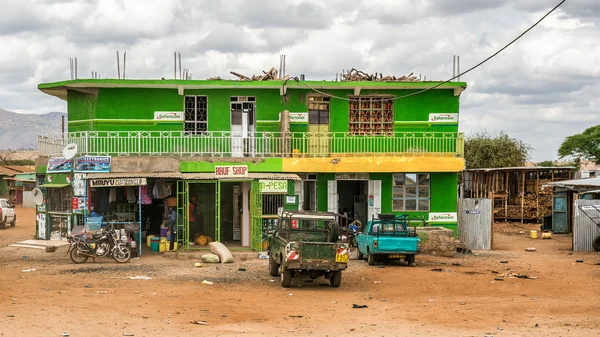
x: 211, y: 258
x: 220, y: 249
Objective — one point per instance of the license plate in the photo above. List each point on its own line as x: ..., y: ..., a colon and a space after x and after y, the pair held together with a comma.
x: 396, y: 256
x: 343, y: 258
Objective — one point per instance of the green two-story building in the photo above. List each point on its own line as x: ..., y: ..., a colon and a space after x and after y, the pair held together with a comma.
x: 245, y: 148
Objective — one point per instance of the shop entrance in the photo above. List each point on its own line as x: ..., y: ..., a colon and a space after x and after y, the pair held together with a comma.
x: 352, y: 199
x: 231, y: 213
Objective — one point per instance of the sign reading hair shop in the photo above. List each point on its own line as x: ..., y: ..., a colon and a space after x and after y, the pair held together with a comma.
x: 273, y: 186
x: 117, y: 182
x: 443, y: 217
x: 92, y: 164
x: 167, y: 116
x: 231, y: 171
x: 59, y: 164
x: 443, y: 118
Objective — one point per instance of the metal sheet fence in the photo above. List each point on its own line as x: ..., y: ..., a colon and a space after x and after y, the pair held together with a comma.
x: 475, y: 223
x: 256, y: 144
x: 585, y: 229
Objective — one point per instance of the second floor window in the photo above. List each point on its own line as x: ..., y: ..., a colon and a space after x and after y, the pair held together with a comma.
x: 371, y: 115
x: 196, y: 115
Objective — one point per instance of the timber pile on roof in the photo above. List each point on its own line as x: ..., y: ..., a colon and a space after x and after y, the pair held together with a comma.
x: 269, y: 75
x: 354, y: 75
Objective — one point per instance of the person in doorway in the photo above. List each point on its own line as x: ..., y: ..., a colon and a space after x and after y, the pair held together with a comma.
x: 174, y: 221
x: 93, y: 213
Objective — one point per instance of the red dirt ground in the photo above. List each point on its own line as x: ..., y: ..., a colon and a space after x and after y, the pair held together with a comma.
x: 99, y: 299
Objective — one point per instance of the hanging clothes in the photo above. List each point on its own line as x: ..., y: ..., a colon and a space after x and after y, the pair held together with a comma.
x: 112, y: 195
x: 131, y: 198
x: 146, y: 200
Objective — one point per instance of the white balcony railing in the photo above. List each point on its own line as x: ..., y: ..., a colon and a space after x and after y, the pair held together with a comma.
x: 258, y: 144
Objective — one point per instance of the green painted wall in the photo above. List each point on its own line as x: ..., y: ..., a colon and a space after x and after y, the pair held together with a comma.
x: 322, y: 179
x: 128, y: 109
x: 3, y: 187
x: 268, y: 165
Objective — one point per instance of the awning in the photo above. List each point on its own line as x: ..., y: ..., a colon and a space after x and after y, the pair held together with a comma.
x: 191, y: 176
x: 576, y: 183
x: 55, y: 185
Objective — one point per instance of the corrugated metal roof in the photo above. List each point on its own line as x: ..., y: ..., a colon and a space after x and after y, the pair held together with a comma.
x: 189, y: 176
x: 592, y: 182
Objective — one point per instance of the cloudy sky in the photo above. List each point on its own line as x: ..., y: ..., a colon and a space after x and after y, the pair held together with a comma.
x: 542, y: 89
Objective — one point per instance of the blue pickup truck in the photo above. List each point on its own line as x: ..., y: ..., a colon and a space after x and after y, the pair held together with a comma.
x: 388, y: 237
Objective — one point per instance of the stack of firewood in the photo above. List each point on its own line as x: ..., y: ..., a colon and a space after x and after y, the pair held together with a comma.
x: 533, y: 207
x: 354, y: 75
x: 269, y: 75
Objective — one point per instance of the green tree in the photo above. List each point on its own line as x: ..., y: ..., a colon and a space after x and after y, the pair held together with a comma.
x: 485, y: 150
x: 585, y: 145
x: 545, y: 163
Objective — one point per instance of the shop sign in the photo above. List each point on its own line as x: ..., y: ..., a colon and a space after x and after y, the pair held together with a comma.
x: 41, y: 220
x: 443, y: 217
x: 168, y: 116
x: 231, y: 171
x: 78, y: 204
x: 443, y: 118
x: 78, y: 186
x: 117, y: 182
x: 59, y: 164
x: 273, y: 186
x: 298, y: 117
x: 92, y: 164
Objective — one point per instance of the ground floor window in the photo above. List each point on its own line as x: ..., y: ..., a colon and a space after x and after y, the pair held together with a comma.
x: 271, y: 203
x: 411, y: 191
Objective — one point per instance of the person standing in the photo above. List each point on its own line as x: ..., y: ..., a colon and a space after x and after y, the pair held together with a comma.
x: 174, y: 223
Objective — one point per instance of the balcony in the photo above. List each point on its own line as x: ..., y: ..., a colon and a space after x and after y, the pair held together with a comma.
x: 256, y: 144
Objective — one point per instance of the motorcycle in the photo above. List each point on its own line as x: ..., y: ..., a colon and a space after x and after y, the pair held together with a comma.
x: 349, y: 234
x: 104, y: 243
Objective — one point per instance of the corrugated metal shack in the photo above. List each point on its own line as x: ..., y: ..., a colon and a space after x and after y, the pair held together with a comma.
x: 517, y: 193
x: 566, y: 194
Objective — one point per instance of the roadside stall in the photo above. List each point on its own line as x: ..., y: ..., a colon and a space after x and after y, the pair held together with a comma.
x: 54, y: 217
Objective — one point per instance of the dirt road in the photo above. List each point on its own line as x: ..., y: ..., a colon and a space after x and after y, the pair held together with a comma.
x: 99, y: 299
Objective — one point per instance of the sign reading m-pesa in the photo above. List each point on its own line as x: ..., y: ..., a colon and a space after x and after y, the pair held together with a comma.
x: 443, y: 217
x: 443, y: 118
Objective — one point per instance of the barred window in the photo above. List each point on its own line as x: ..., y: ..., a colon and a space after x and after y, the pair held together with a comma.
x: 411, y: 191
x: 371, y: 115
x: 196, y: 115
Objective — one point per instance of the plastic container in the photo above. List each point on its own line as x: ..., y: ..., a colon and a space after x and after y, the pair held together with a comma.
x: 149, y: 240
x: 155, y: 244
x: 546, y: 235
x: 533, y: 234
x: 163, y: 232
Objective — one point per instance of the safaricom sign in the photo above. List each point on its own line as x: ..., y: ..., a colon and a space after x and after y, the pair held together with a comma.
x: 443, y: 217
x: 167, y: 116
x: 273, y: 186
x: 443, y: 118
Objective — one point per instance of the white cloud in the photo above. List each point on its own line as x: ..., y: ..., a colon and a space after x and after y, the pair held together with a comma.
x: 541, y: 89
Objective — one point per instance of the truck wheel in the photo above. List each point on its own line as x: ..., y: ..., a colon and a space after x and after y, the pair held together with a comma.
x: 3, y: 224
x: 14, y: 222
x: 286, y: 278
x: 336, y: 280
x: 596, y: 244
x: 410, y: 259
x: 370, y: 258
x: 273, y: 267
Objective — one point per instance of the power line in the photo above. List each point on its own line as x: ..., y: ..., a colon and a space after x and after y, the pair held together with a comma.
x: 449, y: 80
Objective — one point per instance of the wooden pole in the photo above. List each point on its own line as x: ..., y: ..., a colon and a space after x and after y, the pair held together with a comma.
x: 537, y: 195
x: 506, y: 193
x: 522, y: 195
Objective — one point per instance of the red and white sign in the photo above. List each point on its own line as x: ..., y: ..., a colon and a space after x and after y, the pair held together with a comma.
x: 231, y: 171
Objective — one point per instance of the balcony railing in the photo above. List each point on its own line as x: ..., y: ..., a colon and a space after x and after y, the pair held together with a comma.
x: 256, y: 144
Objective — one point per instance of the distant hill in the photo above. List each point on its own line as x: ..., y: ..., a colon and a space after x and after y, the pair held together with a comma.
x: 19, y: 131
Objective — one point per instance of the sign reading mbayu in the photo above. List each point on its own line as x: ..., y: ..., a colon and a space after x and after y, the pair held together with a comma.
x: 443, y: 217
x: 443, y: 118
x: 166, y: 116
x: 117, y: 182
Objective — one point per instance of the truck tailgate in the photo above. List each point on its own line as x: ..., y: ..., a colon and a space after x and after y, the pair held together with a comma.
x: 317, y: 251
x: 397, y: 244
